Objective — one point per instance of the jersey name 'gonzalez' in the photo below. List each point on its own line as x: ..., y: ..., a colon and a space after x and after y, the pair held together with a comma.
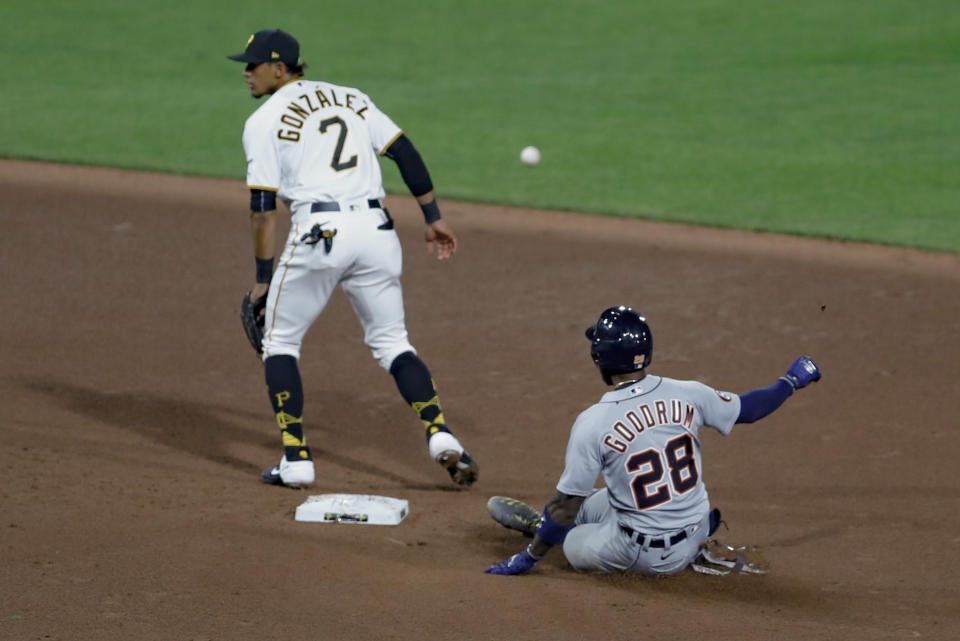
x: 316, y: 141
x: 647, y: 417
x: 305, y: 106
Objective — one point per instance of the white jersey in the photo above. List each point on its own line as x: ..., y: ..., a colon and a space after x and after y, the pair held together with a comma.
x: 315, y: 141
x: 644, y: 440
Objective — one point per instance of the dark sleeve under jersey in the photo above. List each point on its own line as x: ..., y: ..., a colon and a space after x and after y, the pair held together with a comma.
x: 758, y: 403
x: 412, y: 169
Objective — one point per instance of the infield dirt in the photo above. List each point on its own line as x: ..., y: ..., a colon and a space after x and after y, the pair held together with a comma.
x: 135, y: 424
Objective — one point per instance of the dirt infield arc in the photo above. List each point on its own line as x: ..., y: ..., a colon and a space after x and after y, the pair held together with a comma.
x: 135, y: 423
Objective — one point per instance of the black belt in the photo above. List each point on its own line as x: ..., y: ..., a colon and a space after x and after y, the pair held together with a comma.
x: 640, y: 538
x: 334, y: 206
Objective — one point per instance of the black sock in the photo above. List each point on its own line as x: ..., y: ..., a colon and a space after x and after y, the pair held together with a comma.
x: 417, y: 388
x: 286, y: 396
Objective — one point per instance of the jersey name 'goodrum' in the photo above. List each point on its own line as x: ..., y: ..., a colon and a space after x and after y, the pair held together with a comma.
x: 645, y: 416
x: 298, y: 113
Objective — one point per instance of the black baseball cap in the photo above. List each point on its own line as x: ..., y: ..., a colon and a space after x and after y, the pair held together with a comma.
x: 270, y: 45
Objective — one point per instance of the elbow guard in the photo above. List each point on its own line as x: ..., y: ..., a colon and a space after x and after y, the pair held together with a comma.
x: 412, y: 169
x: 263, y: 200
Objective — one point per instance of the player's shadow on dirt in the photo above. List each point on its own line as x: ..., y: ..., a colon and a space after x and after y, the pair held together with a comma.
x: 198, y: 429
x: 188, y: 426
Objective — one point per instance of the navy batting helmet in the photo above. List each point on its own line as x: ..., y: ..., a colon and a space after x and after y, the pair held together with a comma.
x: 620, y: 342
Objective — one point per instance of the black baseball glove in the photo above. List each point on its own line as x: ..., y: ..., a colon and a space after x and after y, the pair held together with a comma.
x: 252, y: 314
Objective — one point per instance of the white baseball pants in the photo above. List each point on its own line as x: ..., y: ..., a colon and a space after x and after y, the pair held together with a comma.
x: 365, y: 261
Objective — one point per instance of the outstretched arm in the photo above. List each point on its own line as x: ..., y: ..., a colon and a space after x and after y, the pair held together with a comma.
x: 758, y: 403
x: 559, y: 515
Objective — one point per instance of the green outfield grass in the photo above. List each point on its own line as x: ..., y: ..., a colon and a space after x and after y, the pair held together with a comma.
x: 832, y: 118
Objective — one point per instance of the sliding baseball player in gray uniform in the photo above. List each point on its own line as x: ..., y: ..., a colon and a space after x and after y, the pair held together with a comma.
x: 654, y: 514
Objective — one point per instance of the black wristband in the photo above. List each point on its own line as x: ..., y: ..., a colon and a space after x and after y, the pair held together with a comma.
x: 431, y: 212
x: 264, y: 269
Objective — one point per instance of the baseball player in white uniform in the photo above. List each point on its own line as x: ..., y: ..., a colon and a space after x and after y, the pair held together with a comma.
x: 314, y: 146
x: 654, y: 514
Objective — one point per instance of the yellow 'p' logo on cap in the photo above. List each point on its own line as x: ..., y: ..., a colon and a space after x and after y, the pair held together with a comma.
x: 249, y: 40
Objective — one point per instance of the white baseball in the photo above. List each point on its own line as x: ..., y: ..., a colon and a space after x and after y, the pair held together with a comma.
x: 530, y: 156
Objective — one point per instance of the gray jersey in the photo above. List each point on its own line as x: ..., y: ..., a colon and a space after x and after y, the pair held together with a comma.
x: 644, y: 440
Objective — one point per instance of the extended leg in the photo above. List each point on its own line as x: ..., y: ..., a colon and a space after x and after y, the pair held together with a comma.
x: 416, y: 386
x: 373, y: 287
